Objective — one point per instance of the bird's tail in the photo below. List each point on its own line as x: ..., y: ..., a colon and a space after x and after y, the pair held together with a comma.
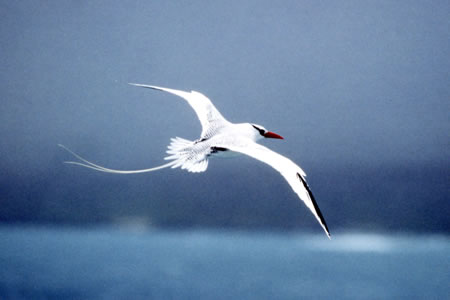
x: 188, y: 155
x: 87, y: 164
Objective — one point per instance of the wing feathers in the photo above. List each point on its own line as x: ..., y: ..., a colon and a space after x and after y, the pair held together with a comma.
x: 293, y: 174
x: 210, y: 118
x: 314, y: 203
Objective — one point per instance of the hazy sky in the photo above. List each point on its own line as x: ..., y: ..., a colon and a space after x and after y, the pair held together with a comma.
x: 358, y: 80
x: 347, y: 83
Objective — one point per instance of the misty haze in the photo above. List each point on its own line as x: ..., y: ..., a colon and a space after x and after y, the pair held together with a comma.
x: 359, y: 91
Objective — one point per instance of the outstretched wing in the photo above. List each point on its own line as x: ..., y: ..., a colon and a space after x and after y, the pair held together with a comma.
x: 210, y: 118
x: 293, y: 174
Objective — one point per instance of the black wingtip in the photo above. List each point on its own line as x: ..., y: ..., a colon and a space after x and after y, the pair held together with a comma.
x: 316, y: 207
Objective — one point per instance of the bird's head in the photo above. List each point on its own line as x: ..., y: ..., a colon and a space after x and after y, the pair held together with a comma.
x: 260, y: 132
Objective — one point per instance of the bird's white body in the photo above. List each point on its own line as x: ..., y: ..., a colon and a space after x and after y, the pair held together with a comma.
x: 220, y: 137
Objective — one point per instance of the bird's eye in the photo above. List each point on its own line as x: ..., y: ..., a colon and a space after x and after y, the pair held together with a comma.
x: 261, y: 131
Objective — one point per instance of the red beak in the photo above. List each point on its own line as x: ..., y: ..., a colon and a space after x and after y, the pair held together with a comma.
x: 272, y: 135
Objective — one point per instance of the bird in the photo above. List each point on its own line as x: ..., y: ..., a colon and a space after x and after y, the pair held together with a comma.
x: 219, y: 137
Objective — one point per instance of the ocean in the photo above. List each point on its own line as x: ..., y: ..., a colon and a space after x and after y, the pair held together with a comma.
x: 115, y: 263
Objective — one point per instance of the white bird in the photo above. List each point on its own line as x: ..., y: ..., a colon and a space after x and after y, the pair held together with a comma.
x: 220, y: 136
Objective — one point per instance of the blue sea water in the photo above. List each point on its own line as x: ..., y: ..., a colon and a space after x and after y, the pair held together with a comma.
x: 111, y: 263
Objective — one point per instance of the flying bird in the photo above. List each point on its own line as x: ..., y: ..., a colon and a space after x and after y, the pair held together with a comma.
x: 220, y: 137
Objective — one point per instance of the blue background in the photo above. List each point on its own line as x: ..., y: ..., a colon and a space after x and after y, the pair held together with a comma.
x: 359, y: 90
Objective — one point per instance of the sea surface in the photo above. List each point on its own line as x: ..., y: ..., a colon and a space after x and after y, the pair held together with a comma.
x: 114, y: 263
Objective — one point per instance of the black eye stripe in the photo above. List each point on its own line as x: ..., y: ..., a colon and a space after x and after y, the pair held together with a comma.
x: 261, y: 131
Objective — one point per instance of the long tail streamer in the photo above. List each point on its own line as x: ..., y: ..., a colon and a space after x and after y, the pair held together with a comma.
x: 87, y: 164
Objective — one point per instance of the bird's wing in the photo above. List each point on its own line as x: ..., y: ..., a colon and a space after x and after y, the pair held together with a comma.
x: 293, y: 174
x: 210, y: 118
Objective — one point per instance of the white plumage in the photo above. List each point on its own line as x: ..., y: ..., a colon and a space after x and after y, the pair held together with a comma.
x: 218, y: 137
